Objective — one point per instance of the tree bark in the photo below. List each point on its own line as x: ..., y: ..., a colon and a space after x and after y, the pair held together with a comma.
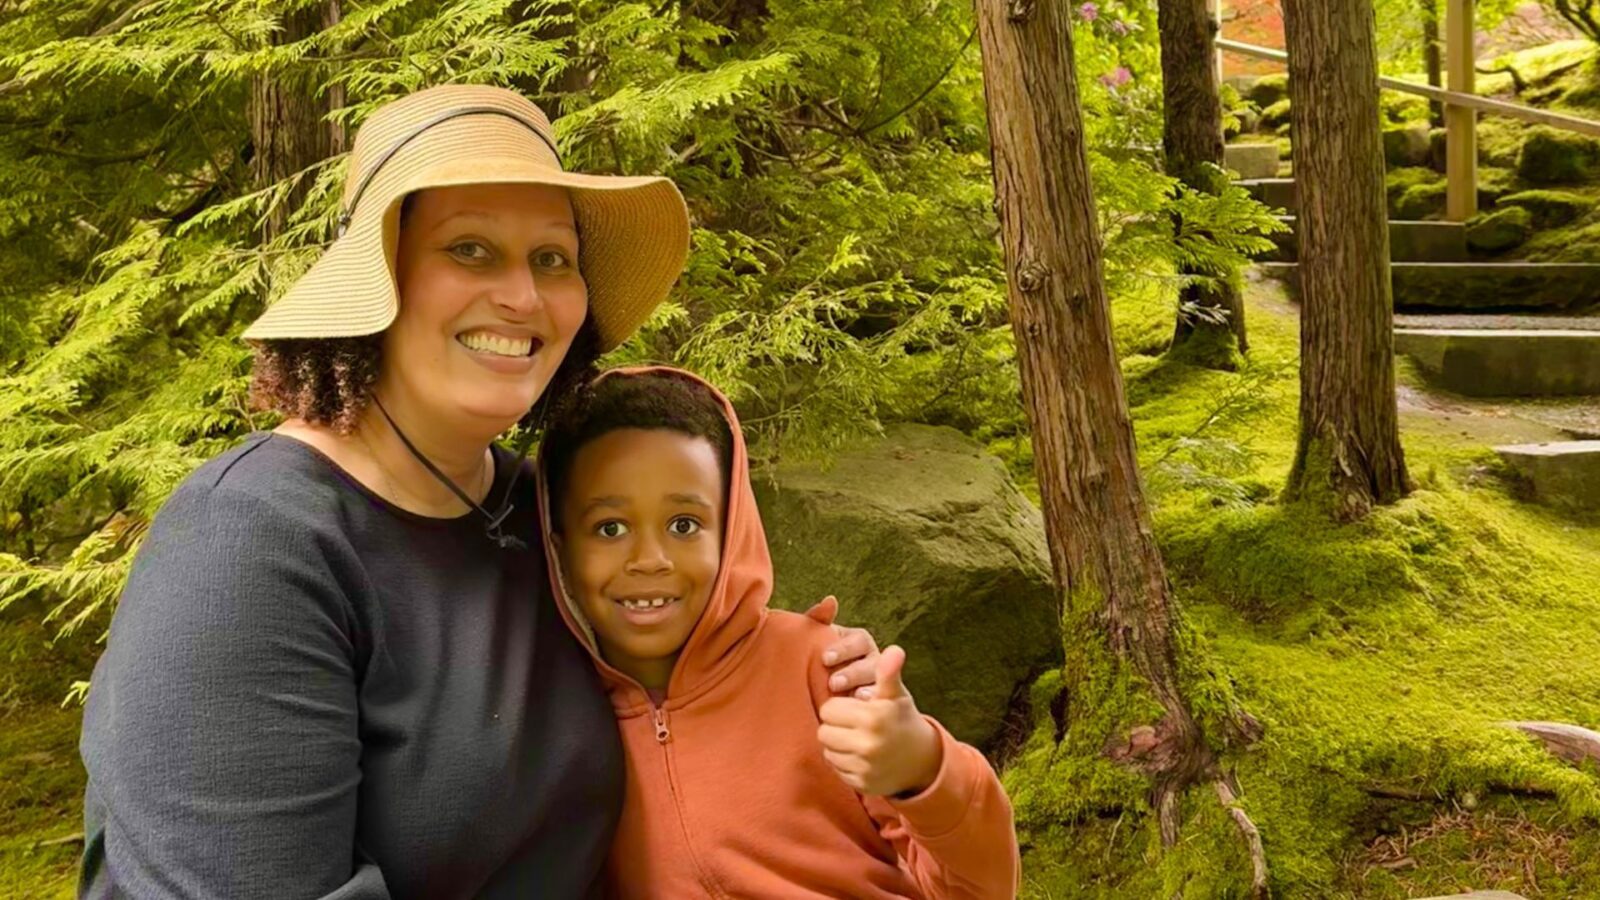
x: 1192, y: 141
x: 1117, y: 602
x: 287, y: 128
x: 1349, y: 454
x: 1432, y: 59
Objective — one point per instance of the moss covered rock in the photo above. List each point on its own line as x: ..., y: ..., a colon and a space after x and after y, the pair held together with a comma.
x: 1550, y: 208
x: 1269, y: 89
x: 1556, y: 157
x: 1421, y: 201
x: 1500, y: 230
x: 927, y: 543
x: 1400, y: 180
x: 1406, y: 145
x: 1275, y: 116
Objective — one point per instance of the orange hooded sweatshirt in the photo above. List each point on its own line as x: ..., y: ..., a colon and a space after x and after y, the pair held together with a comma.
x: 728, y: 794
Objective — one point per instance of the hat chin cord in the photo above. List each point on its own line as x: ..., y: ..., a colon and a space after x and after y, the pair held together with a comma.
x: 495, y: 519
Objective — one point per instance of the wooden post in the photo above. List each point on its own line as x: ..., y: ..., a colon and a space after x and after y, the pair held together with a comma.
x: 1214, y: 9
x: 1460, y: 123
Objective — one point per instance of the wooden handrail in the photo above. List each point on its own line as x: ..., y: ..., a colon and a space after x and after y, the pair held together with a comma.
x: 1470, y: 101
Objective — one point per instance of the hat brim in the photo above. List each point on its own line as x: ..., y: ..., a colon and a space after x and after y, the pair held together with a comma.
x: 633, y: 241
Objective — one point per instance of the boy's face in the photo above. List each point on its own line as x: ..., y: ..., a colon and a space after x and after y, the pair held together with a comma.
x: 641, y: 542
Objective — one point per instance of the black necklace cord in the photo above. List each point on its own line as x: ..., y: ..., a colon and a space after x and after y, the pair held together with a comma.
x: 495, y: 519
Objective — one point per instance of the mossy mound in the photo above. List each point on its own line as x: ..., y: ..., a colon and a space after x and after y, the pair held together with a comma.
x: 1380, y: 656
x: 1550, y: 209
x: 41, y: 778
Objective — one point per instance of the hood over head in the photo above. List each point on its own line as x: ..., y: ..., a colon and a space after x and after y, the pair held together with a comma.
x: 738, y: 601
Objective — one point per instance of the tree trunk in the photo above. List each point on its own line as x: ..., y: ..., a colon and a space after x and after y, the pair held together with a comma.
x: 1192, y: 139
x: 1432, y: 59
x: 287, y: 131
x: 1349, y: 448
x: 1118, y: 606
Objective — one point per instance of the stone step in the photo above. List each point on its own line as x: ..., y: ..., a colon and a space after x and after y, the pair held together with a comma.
x: 1409, y: 241
x: 1506, y: 362
x: 1564, y: 474
x: 1278, y: 193
x: 1252, y: 161
x: 1481, y: 286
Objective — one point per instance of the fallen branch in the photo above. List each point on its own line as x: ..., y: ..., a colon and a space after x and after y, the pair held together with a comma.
x: 1252, y: 837
x: 56, y: 842
x: 1569, y: 742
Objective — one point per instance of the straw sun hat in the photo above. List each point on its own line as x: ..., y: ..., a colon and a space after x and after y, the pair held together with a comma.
x: 633, y: 231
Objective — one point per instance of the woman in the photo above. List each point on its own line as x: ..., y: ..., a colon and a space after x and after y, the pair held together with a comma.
x: 336, y: 670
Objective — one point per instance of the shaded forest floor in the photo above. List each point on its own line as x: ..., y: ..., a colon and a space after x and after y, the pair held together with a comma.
x: 1379, y: 657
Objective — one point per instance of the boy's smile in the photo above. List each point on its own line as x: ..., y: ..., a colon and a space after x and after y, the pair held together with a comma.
x: 640, y: 542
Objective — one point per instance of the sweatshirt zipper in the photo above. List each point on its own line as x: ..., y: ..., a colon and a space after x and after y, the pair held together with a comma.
x: 658, y: 716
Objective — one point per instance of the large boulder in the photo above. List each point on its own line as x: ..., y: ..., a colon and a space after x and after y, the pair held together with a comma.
x: 928, y: 544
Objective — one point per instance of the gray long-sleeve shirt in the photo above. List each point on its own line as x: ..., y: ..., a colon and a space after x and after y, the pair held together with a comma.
x: 309, y: 693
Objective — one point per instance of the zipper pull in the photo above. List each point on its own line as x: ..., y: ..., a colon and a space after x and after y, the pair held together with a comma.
x: 662, y: 734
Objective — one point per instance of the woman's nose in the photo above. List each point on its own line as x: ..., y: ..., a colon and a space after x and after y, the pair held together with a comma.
x: 519, y: 296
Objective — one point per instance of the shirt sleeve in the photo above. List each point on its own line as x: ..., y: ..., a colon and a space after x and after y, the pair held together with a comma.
x: 221, y: 729
x: 957, y: 838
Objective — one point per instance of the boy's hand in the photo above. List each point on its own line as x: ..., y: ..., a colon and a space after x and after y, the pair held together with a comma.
x: 881, y: 746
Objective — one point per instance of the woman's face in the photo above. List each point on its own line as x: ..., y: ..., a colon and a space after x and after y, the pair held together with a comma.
x: 490, y: 299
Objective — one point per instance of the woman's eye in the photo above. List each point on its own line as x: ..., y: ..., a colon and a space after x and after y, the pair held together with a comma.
x: 611, y: 529
x: 551, y: 259
x: 683, y: 526
x: 471, y: 251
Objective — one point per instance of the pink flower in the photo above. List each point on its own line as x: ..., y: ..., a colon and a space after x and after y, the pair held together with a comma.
x: 1089, y: 12
x: 1118, y: 77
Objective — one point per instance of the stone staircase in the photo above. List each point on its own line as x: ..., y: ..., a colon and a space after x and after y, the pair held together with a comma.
x: 1478, y: 329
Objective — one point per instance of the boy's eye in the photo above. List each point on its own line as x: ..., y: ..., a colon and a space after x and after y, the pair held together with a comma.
x: 611, y: 529
x: 683, y: 526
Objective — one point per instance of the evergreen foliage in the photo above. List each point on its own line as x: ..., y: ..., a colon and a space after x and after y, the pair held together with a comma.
x: 845, y: 268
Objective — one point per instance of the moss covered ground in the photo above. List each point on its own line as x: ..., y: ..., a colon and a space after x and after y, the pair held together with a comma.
x: 1380, y: 657
x: 41, y: 779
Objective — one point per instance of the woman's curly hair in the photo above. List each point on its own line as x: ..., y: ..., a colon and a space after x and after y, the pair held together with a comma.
x: 328, y: 381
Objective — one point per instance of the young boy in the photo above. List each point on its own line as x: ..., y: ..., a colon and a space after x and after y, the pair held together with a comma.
x: 745, y: 779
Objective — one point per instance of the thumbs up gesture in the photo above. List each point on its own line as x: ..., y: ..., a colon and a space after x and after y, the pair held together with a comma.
x: 881, y: 746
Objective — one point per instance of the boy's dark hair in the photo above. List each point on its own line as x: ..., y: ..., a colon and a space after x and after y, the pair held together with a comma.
x: 651, y: 400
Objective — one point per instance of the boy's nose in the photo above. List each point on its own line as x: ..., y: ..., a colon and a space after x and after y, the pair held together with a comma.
x: 649, y: 560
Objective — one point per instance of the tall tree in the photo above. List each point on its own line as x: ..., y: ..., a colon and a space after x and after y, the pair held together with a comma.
x: 288, y: 131
x: 1349, y: 454
x: 1118, y: 610
x: 1210, y: 312
x: 1432, y: 59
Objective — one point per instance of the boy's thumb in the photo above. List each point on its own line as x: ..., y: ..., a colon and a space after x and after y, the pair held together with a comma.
x: 890, y: 664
